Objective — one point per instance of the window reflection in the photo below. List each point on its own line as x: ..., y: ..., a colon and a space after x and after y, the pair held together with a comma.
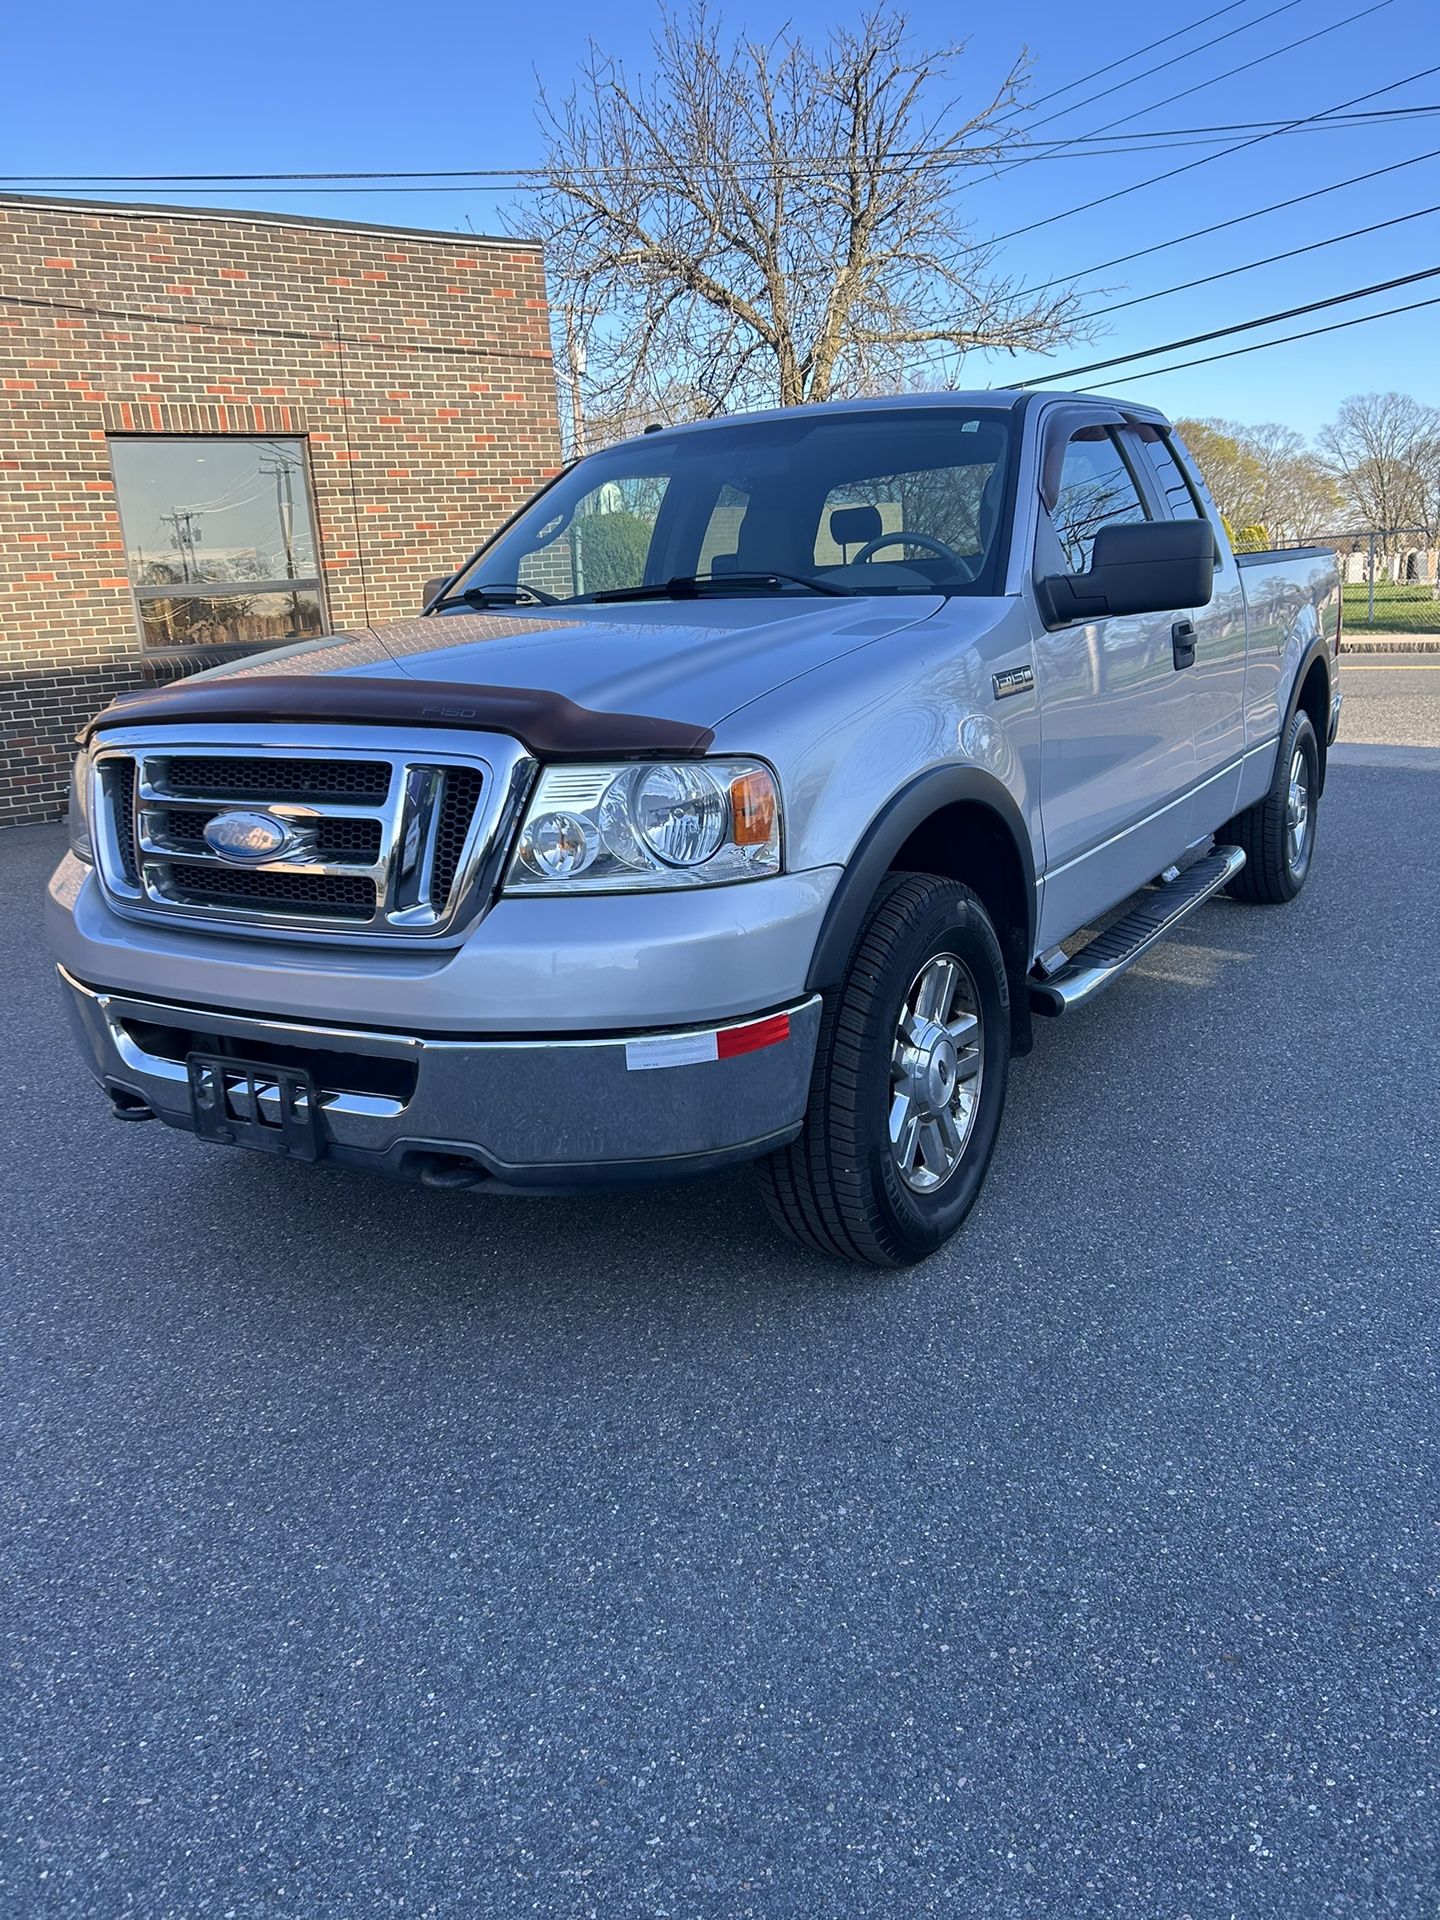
x: 1095, y: 491
x: 230, y: 619
x: 219, y: 539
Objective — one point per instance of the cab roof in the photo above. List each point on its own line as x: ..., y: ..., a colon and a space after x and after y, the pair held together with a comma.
x: 996, y: 399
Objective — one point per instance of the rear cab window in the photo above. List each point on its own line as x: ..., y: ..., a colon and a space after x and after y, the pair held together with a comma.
x: 1169, y: 476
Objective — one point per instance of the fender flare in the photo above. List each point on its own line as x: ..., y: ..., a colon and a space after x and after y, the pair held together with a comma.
x: 1317, y: 650
x: 875, y: 852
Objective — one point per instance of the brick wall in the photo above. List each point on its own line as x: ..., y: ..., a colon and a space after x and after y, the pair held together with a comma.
x: 415, y: 366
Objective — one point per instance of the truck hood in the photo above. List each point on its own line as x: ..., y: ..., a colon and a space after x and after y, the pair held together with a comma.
x: 692, y: 662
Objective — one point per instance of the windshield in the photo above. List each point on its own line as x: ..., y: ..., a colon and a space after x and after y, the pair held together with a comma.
x: 894, y: 501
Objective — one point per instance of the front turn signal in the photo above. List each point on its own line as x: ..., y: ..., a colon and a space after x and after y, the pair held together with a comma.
x: 752, y: 808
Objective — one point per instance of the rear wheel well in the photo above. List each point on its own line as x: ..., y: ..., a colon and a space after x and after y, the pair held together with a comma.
x: 969, y: 842
x: 1315, y: 699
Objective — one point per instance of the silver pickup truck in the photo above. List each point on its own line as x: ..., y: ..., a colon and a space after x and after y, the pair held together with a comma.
x: 743, y: 798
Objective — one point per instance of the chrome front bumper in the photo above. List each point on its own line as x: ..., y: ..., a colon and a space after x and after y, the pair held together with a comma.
x: 529, y: 1114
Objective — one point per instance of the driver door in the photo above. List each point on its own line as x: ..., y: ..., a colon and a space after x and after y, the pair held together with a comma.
x: 1117, y: 755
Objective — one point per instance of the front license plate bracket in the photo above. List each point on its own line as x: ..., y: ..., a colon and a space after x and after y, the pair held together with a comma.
x: 245, y: 1103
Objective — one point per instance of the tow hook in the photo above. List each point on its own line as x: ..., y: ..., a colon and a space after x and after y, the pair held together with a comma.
x: 125, y: 1105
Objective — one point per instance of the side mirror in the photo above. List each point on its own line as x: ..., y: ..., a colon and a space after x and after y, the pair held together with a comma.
x: 1154, y: 566
x: 433, y: 589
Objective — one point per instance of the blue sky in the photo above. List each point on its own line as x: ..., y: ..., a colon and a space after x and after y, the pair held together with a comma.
x: 268, y: 88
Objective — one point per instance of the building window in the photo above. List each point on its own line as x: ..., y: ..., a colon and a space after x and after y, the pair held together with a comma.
x: 219, y: 539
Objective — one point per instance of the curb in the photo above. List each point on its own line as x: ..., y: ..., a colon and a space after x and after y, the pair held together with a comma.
x: 1397, y: 643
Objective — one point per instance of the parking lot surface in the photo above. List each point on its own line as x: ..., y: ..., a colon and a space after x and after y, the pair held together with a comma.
x: 371, y: 1551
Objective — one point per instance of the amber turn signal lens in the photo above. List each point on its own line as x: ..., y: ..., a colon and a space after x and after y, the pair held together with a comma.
x: 752, y: 808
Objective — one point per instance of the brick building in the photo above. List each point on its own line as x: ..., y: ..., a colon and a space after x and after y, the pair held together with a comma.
x: 222, y: 430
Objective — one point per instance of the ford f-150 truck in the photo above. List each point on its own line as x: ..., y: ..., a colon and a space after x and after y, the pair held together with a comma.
x: 743, y: 798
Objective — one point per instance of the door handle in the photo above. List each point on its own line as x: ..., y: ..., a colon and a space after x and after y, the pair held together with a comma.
x: 1182, y: 640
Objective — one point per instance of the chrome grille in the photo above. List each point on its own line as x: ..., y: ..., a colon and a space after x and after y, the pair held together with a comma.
x: 379, y: 841
x: 122, y: 796
x: 343, y: 839
x: 457, y: 809
x: 234, y: 777
x: 346, y: 897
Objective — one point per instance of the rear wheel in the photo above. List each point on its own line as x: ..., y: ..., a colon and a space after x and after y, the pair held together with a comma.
x: 909, y: 1082
x: 1278, y: 832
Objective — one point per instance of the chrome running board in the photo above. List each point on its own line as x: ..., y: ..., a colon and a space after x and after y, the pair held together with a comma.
x: 1116, y: 950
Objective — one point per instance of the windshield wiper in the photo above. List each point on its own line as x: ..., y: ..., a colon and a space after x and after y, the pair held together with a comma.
x: 496, y: 593
x: 690, y: 586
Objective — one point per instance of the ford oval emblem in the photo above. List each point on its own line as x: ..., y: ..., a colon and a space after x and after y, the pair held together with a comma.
x: 247, y: 838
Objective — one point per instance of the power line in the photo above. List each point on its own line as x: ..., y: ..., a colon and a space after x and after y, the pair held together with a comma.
x: 1190, y: 165
x: 422, y: 180
x: 1283, y: 340
x: 1235, y: 220
x: 1175, y: 59
x: 193, y: 323
x: 505, y: 175
x: 338, y: 339
x: 1178, y: 33
x: 1142, y: 141
x: 1270, y: 260
x: 1241, y: 326
x: 1376, y: 117
x: 1214, y: 79
x: 1227, y: 273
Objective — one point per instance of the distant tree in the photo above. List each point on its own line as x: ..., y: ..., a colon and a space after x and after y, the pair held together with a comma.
x: 1265, y: 481
x: 1299, y: 499
x: 774, y: 222
x: 1233, y: 474
x: 1383, y: 450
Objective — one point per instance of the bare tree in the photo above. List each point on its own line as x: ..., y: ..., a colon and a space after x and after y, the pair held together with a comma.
x: 775, y: 223
x: 1299, y: 499
x: 1384, y: 451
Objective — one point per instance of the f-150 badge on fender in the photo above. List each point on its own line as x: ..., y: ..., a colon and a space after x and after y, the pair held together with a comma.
x: 1013, y: 680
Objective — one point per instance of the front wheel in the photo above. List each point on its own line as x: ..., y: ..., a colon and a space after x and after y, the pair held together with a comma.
x: 908, y: 1086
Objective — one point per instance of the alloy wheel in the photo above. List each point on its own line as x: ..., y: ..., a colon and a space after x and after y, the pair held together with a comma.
x: 936, y: 1067
x: 1298, y: 813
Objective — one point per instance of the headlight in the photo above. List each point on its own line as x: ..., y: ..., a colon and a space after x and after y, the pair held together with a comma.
x: 81, y: 844
x: 643, y: 824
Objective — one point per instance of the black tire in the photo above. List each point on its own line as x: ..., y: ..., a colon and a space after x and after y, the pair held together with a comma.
x: 1273, y: 871
x: 839, y: 1189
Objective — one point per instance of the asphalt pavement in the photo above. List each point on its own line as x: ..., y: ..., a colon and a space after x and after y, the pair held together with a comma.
x: 376, y: 1552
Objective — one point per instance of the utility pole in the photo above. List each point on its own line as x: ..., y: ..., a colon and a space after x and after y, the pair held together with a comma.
x: 185, y: 538
x: 283, y: 471
x: 575, y: 363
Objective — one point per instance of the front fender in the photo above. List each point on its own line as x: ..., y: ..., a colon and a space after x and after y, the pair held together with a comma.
x: 875, y: 853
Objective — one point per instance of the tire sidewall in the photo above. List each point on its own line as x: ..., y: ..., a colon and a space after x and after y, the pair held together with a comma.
x: 956, y: 924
